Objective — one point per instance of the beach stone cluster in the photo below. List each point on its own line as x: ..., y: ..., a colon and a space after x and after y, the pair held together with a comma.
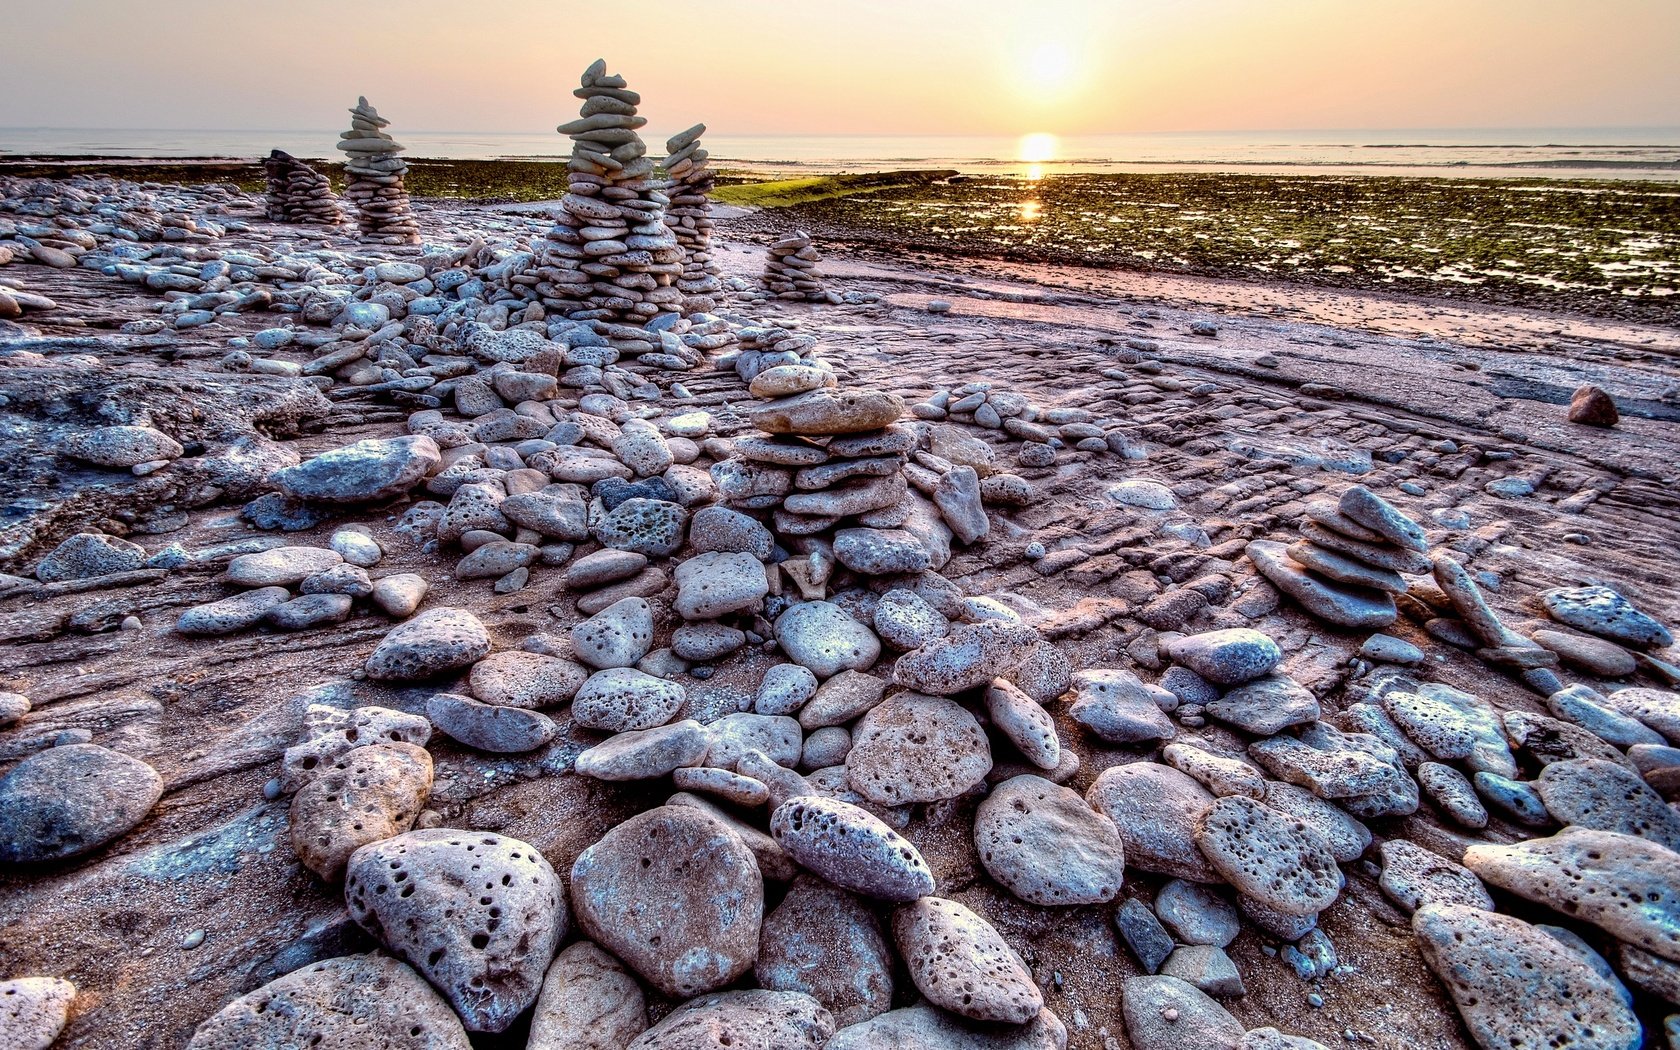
x: 375, y: 175
x: 790, y: 268
x: 298, y: 193
x: 688, y: 169
x: 1347, y: 566
x: 610, y: 256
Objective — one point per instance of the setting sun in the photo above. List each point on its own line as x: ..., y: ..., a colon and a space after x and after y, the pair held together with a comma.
x: 1037, y: 147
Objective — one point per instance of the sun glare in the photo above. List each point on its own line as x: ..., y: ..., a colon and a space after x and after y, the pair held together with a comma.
x: 1051, y: 65
x: 1037, y: 147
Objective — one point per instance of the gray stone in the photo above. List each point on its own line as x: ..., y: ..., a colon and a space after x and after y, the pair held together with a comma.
x: 1514, y: 799
x: 516, y: 678
x: 487, y: 727
x: 1342, y: 604
x: 1197, y: 914
x: 617, y: 636
x: 823, y: 637
x: 1144, y: 935
x: 971, y: 655
x: 1226, y: 658
x: 70, y: 800
x: 1267, y: 705
x: 906, y: 621
x: 1154, y: 807
x: 1609, y: 797
x: 826, y: 943
x: 1413, y: 877
x: 1206, y: 967
x: 928, y: 1028
x: 1024, y: 723
x: 121, y: 446
x: 1604, y: 612
x: 647, y: 753
x: 777, y: 737
x: 915, y: 748
x: 784, y: 689
x: 1043, y: 843
x: 89, y: 555
x: 851, y: 848
x: 1166, y: 1013
x: 716, y: 584
x: 366, y: 472
x: 646, y: 526
x: 1377, y: 514
x: 366, y: 794
x: 880, y: 552
x: 280, y: 566
x: 436, y: 641
x: 961, y: 964
x: 1120, y: 708
x: 1268, y: 856
x: 621, y: 699
x: 233, y: 613
x: 1453, y: 792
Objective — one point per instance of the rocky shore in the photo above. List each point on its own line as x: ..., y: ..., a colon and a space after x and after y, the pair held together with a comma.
x: 567, y: 631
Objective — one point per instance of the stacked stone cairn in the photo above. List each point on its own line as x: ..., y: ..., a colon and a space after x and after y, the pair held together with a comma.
x: 609, y: 256
x: 298, y: 193
x: 375, y: 179
x: 689, y: 217
x: 790, y: 268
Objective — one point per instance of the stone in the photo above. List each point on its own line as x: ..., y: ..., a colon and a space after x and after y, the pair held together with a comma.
x: 311, y: 610
x: 1347, y: 606
x: 479, y: 915
x: 1590, y: 406
x: 1143, y: 933
x: 88, y: 556
x: 1603, y: 612
x: 647, y: 753
x: 617, y: 636
x: 928, y: 1028
x: 432, y: 643
x: 489, y: 727
x: 602, y: 567
x: 1516, y: 987
x: 1207, y: 968
x: 676, y: 895
x: 280, y: 566
x: 718, y: 528
x: 589, y: 1001
x: 642, y: 448
x: 646, y: 526
x: 234, y: 613
x: 1266, y: 705
x: 622, y: 699
x: 1220, y: 774
x: 1413, y: 877
x: 1120, y: 708
x: 1043, y: 843
x: 1226, y: 658
x: 957, y: 495
x: 1373, y: 512
x: 906, y: 621
x: 399, y: 595
x: 754, y: 1019
x: 821, y: 412
x: 1272, y: 1039
x: 1045, y: 674
x: 1595, y: 655
x: 851, y: 848
x: 515, y: 678
x: 352, y: 1001
x: 1440, y: 729
x: 916, y: 748
x: 784, y: 689
x: 823, y: 637
x: 1627, y: 886
x: 329, y: 732
x: 716, y: 584
x: 777, y: 737
x: 1659, y: 709
x: 1166, y: 1013
x: 971, y: 655
x: 70, y: 800
x: 367, y: 794
x: 880, y: 552
x: 1154, y: 807
x: 961, y: 964
x: 1270, y: 857
x: 826, y: 943
x: 33, y: 1011
x: 1024, y: 723
x: 1514, y: 800
x: 1348, y: 838
x: 13, y: 706
x: 825, y: 747
x: 368, y: 471
x: 121, y: 446
x: 1197, y: 914
x: 1591, y: 793
x: 1453, y: 792
x: 1387, y: 649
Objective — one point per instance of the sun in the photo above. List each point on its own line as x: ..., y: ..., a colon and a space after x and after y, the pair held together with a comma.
x: 1037, y: 148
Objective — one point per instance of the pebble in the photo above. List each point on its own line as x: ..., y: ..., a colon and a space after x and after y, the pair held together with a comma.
x: 1024, y: 723
x: 754, y: 1019
x: 675, y: 894
x: 1197, y: 914
x: 400, y: 594
x: 961, y: 964
x: 588, y: 1001
x: 1207, y: 968
x: 1166, y: 1013
x: 481, y: 922
x: 1143, y: 933
x: 33, y: 1011
x: 1154, y: 808
x: 367, y: 794
x: 915, y: 748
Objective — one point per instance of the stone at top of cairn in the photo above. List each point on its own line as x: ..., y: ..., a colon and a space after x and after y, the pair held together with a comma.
x: 364, y: 112
x: 684, y: 139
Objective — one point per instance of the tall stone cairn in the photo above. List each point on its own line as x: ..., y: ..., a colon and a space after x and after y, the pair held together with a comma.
x: 609, y: 257
x: 790, y: 268
x: 688, y: 168
x: 299, y: 193
x: 374, y: 175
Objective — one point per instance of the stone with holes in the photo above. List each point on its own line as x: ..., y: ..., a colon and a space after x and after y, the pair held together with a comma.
x: 1154, y: 807
x: 677, y: 895
x: 33, y: 1010
x: 971, y: 655
x: 70, y: 800
x: 1592, y: 793
x: 850, y: 847
x: 915, y: 748
x: 754, y: 1019
x: 436, y: 641
x: 1275, y: 859
x: 519, y: 679
x: 826, y: 943
x: 365, y: 472
x: 617, y: 636
x: 356, y: 1001
x: 1046, y: 846
x: 367, y: 794
x: 824, y: 638
x: 477, y: 914
x: 1413, y: 877
x: 621, y: 699
x: 961, y: 964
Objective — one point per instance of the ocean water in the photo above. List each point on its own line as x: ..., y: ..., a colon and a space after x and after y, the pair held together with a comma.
x: 1641, y: 153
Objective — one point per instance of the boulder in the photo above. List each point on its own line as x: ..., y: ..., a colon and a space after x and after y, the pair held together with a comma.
x: 366, y: 472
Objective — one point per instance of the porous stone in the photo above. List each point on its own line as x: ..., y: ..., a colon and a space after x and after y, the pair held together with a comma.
x: 826, y: 943
x: 929, y: 1028
x: 1413, y: 877
x: 719, y: 583
x: 617, y: 636
x: 367, y: 794
x: 784, y: 689
x: 1154, y: 807
x: 961, y: 964
x: 479, y: 915
x: 754, y: 1019
x: 1604, y: 612
x: 89, y: 555
x: 1166, y: 1013
x: 1043, y: 843
x: 1267, y: 705
x: 436, y: 641
x: 234, y: 613
x: 1024, y: 723
x: 851, y: 848
x: 1592, y: 793
x: 916, y: 748
x: 1226, y: 658
x: 971, y: 655
x: 1268, y: 856
x: 621, y: 699
x: 515, y: 678
x: 33, y: 1011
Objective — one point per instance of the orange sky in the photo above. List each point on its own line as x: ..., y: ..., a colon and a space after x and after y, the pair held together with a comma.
x: 876, y: 66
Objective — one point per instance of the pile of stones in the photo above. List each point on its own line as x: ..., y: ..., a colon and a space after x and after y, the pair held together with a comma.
x: 374, y: 179
x: 1041, y: 431
x: 790, y: 268
x: 298, y: 193
x: 609, y: 256
x: 689, y: 217
x: 1347, y: 566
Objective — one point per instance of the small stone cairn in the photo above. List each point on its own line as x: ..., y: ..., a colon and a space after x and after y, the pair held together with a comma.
x: 298, y: 193
x: 1347, y: 566
x: 609, y: 256
x: 790, y: 268
x: 375, y: 175
x: 691, y: 182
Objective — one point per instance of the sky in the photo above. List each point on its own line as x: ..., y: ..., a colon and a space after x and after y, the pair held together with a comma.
x: 913, y: 67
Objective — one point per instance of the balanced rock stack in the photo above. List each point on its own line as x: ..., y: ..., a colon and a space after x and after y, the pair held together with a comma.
x: 1347, y: 566
x: 375, y: 175
x: 790, y: 268
x: 609, y: 256
x: 299, y: 193
x: 689, y: 217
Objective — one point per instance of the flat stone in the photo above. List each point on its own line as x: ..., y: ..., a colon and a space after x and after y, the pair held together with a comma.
x: 352, y: 1001
x: 1413, y: 877
x: 1207, y: 968
x: 823, y: 637
x: 400, y: 594
x: 121, y: 446
x: 851, y: 848
x: 366, y: 472
x: 961, y: 964
x: 89, y: 555
x: 1226, y: 658
x: 436, y: 641
x: 280, y: 566
x: 617, y: 636
x: 621, y: 699
x: 589, y: 1001
x: 1377, y: 514
x: 1120, y: 708
x: 880, y: 552
x: 647, y: 753
x: 1657, y: 708
x: 916, y: 748
x: 716, y: 584
x: 906, y: 621
x: 1220, y: 774
x: 822, y: 412
x: 826, y: 943
x: 526, y: 680
x: 1272, y: 858
x: 234, y: 613
x: 1594, y: 655
x: 1607, y: 796
x: 754, y: 1019
x: 488, y: 727
x: 1043, y: 843
x: 1197, y: 914
x: 479, y: 915
x: 675, y: 894
x: 1154, y: 807
x: 1339, y: 604
x: 70, y: 800
x: 1166, y: 1013
x: 1267, y: 705
x: 1453, y: 792
x: 602, y: 567
x: 777, y: 737
x: 1603, y: 612
x: 1516, y: 987
x: 1348, y: 838
x: 33, y: 1011
x: 1143, y: 933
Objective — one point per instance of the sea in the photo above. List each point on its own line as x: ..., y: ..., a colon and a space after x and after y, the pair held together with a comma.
x: 1614, y: 153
